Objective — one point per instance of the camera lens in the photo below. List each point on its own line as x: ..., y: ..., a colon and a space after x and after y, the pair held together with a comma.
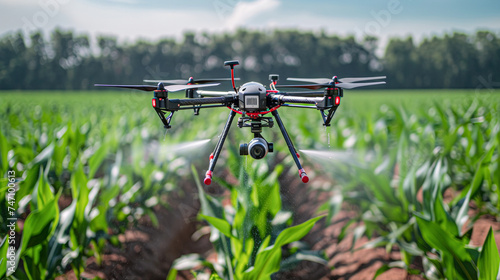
x: 258, y: 151
x: 257, y: 148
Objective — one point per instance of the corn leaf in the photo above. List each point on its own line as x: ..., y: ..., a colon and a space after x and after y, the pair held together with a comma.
x: 3, y: 256
x: 443, y: 218
x: 457, y: 260
x: 38, y: 227
x: 4, y: 151
x: 220, y: 224
x: 268, y: 260
x: 96, y: 159
x: 489, y: 259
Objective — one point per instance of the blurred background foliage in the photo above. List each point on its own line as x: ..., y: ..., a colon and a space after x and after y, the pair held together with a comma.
x: 65, y: 60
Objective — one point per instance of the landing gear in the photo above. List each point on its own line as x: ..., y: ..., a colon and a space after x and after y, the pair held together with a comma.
x: 218, y: 148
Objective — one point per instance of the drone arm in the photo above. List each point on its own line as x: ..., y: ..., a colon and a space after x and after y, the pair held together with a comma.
x: 281, y: 99
x: 299, y: 106
x: 202, y: 101
x: 175, y: 104
x: 214, y: 93
x: 304, y: 93
x: 201, y: 107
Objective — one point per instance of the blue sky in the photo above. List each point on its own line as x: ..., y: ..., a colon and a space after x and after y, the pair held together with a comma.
x: 153, y: 19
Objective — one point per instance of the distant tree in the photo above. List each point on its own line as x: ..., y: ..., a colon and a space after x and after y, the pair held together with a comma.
x: 68, y: 61
x: 401, y: 63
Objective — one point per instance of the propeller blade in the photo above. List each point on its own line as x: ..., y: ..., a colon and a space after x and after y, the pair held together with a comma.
x: 356, y: 85
x: 195, y: 81
x: 344, y: 80
x: 139, y: 87
x: 171, y: 88
x: 205, y: 81
x: 351, y: 80
x: 314, y: 86
x: 311, y: 80
x: 339, y: 85
x: 174, y: 88
x: 174, y: 82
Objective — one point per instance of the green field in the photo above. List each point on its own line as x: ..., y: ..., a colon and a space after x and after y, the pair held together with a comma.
x: 106, y: 155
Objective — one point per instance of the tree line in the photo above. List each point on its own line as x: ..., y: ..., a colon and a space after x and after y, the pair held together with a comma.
x: 66, y: 60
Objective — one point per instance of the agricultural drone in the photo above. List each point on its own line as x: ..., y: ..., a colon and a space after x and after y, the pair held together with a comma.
x: 252, y: 101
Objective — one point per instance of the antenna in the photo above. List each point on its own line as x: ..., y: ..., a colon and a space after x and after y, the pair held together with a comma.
x: 231, y: 64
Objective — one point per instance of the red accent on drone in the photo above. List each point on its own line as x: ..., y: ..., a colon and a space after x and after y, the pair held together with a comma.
x: 208, y: 178
x: 298, y: 156
x: 305, y: 179
x: 255, y: 115
x: 211, y: 156
x: 303, y: 176
x: 154, y: 102
x: 337, y: 100
x: 232, y: 78
x: 236, y: 111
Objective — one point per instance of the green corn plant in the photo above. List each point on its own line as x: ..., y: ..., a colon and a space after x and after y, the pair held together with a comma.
x: 445, y: 154
x: 407, y: 145
x: 249, y: 245
x: 39, y: 228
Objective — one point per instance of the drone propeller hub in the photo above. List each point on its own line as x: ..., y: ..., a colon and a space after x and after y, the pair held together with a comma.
x: 161, y: 87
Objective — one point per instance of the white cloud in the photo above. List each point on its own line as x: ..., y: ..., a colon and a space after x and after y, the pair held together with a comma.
x: 130, y: 23
x: 125, y: 1
x: 244, y: 11
x: 20, y: 2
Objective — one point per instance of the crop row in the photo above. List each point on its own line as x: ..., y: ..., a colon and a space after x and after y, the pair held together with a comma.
x: 89, y: 166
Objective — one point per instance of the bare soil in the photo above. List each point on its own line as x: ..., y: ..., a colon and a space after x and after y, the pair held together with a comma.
x: 149, y: 252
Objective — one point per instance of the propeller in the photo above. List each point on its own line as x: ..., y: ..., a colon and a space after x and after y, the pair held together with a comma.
x: 190, y: 81
x: 343, y: 80
x: 339, y: 85
x: 171, y: 88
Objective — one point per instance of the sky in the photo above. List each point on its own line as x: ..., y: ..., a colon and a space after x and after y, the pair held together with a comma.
x: 155, y: 19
